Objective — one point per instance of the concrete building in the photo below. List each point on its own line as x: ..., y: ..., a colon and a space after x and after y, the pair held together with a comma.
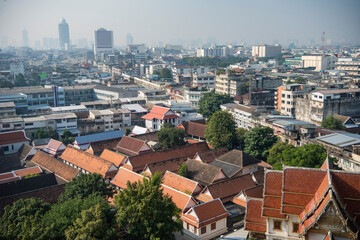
x: 186, y: 69
x: 7, y: 109
x: 25, y: 38
x: 229, y: 84
x: 11, y: 124
x: 113, y: 93
x: 159, y: 116
x: 64, y: 37
x: 104, y: 41
x: 266, y: 51
x: 205, y: 79
x: 319, y: 62
x: 17, y: 68
x: 316, y: 106
x: 285, y: 98
x: 217, y: 51
x: 193, y: 95
x: 352, y: 68
x: 74, y: 95
x: 11, y: 142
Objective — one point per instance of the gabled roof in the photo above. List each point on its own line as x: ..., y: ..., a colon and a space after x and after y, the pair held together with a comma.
x: 13, y: 137
x: 181, y: 183
x: 204, y: 173
x: 87, y: 161
x: 139, y: 130
x: 238, y: 158
x: 131, y: 146
x: 18, y: 174
x: 53, y: 165
x: 193, y: 128
x: 9, y: 162
x: 171, y: 165
x: 55, y: 147
x: 229, y: 169
x: 227, y: 189
x: 98, y: 147
x: 26, y: 151
x: 254, y: 222
x: 159, y: 113
x: 125, y: 175
x: 205, y: 213
x: 97, y: 137
x: 182, y: 200
x: 138, y: 162
x: 112, y: 157
x: 211, y: 154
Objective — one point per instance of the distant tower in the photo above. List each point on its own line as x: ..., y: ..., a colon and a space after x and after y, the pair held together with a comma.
x: 129, y: 40
x: 104, y: 41
x: 25, y: 38
x: 64, y: 37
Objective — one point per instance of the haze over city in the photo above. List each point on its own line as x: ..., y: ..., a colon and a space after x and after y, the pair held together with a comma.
x: 183, y: 22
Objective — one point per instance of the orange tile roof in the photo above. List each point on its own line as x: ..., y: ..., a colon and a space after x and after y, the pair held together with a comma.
x: 138, y: 162
x: 53, y: 165
x: 180, y: 183
x: 159, y: 113
x: 112, y: 157
x: 125, y: 175
x: 253, y: 220
x: 28, y: 171
x: 206, y: 213
x: 87, y: 161
x: 54, y: 144
x: 181, y: 200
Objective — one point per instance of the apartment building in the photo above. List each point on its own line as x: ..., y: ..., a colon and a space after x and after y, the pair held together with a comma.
x: 285, y: 97
x: 229, y: 84
x: 319, y: 62
x: 351, y: 67
x: 206, y: 79
x: 266, y: 50
x: 316, y: 106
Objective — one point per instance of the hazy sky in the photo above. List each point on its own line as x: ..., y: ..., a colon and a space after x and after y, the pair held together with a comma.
x: 249, y: 21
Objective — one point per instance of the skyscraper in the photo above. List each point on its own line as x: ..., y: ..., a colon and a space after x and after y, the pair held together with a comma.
x: 129, y: 39
x: 25, y: 38
x: 104, y: 41
x: 64, y: 38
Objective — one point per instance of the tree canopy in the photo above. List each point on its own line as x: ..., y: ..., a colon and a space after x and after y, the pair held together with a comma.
x: 170, y: 137
x: 67, y: 137
x: 145, y: 213
x: 220, y: 130
x: 85, y: 185
x: 309, y: 155
x: 332, y: 123
x: 258, y: 141
x: 183, y: 171
x: 47, y: 132
x: 210, y: 103
x: 164, y: 73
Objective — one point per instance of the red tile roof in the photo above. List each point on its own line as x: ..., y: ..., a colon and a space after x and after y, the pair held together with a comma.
x: 132, y: 146
x: 206, y: 213
x: 28, y: 171
x: 182, y: 200
x: 138, y: 162
x: 13, y: 137
x: 193, y: 128
x: 112, y: 157
x: 159, y: 113
x: 53, y: 165
x: 253, y: 220
x: 171, y: 165
x: 181, y: 183
x: 87, y: 161
x: 54, y: 144
x: 125, y: 175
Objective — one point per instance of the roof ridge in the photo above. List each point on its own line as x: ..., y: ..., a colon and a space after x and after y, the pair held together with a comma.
x: 167, y: 171
x: 131, y: 172
x: 177, y: 190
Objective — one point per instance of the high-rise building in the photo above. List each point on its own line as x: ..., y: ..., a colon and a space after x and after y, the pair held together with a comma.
x: 129, y: 39
x: 64, y: 37
x: 25, y: 38
x: 104, y: 41
x: 266, y: 50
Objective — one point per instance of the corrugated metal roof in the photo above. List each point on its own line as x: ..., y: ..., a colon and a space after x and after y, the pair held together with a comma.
x: 340, y: 139
x: 99, y: 137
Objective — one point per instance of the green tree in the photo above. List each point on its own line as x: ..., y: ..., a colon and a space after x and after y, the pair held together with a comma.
x: 258, y: 141
x: 145, y: 213
x: 48, y: 132
x: 127, y: 131
x: 243, y: 88
x: 210, y: 103
x: 94, y: 223
x: 67, y: 137
x: 20, y: 80
x: 183, y: 171
x: 22, y: 220
x: 332, y: 123
x: 63, y: 214
x: 170, y: 137
x: 220, y: 130
x: 6, y: 84
x: 220, y: 71
x: 240, y: 137
x: 309, y: 155
x: 85, y: 185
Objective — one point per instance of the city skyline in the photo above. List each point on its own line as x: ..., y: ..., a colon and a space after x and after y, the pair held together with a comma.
x: 251, y: 22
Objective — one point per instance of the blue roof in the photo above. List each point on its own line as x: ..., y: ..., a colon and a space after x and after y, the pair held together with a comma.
x: 99, y: 137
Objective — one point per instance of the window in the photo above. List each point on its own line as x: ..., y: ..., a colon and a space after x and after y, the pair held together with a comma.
x: 187, y: 226
x: 5, y: 149
x: 203, y: 230
x: 295, y: 227
x: 6, y: 125
x: 213, y: 226
x: 277, y: 225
